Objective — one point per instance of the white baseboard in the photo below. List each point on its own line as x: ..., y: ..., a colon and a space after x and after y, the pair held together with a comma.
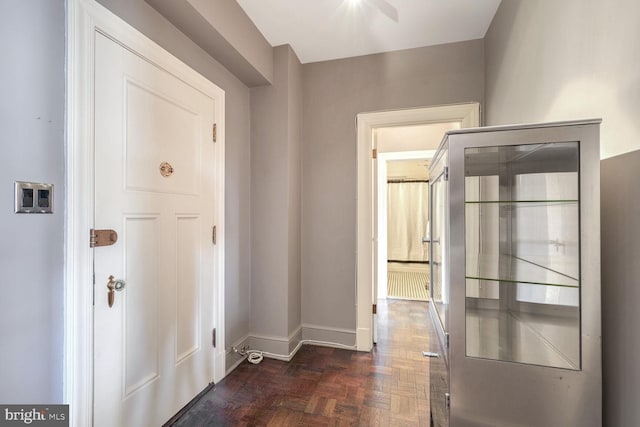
x: 285, y: 348
x: 280, y: 348
x: 342, y: 337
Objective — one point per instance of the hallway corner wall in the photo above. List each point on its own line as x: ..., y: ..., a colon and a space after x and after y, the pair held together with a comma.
x: 295, y: 196
x: 275, y: 208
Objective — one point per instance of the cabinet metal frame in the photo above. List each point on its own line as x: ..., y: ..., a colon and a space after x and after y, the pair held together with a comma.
x: 492, y: 392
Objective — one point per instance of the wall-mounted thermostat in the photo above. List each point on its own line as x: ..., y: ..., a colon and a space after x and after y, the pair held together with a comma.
x: 32, y: 197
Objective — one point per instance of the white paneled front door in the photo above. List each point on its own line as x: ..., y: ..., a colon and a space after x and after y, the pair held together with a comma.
x: 154, y: 185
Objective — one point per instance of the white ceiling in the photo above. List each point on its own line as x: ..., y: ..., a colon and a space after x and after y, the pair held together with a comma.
x: 320, y: 30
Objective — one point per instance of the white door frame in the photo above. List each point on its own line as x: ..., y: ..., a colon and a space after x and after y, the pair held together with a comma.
x: 468, y: 115
x: 84, y: 18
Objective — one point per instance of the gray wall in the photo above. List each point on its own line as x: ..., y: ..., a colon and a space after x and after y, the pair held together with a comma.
x: 555, y: 60
x: 334, y: 92
x: 31, y: 247
x: 548, y: 60
x: 230, y: 19
x: 225, y: 32
x: 275, y: 177
x: 237, y: 157
x: 294, y: 135
x: 621, y: 294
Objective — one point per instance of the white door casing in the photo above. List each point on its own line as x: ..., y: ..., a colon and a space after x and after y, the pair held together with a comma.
x: 467, y: 114
x: 166, y: 215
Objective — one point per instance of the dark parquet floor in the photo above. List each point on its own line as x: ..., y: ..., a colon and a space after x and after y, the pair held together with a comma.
x: 324, y: 386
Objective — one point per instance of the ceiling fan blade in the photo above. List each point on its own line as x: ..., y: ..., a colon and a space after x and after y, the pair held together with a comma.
x: 386, y: 8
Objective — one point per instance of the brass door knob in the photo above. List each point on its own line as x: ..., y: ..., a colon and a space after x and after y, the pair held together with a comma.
x: 114, y: 285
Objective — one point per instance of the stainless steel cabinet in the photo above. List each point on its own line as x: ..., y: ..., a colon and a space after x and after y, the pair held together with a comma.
x: 515, y: 267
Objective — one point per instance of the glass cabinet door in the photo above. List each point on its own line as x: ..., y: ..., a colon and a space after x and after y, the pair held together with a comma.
x: 439, y: 288
x: 522, y: 228
x: 439, y: 378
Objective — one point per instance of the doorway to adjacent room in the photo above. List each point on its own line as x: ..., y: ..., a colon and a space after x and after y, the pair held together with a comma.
x: 404, y: 221
x: 372, y: 130
x: 402, y: 215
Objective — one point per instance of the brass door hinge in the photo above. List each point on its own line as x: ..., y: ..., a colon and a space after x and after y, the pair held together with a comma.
x: 375, y: 309
x: 215, y: 132
x: 214, y: 237
x: 374, y: 153
x: 102, y: 238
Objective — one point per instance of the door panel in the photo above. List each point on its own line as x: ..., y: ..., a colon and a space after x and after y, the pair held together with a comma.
x: 152, y: 348
x: 140, y: 326
x: 188, y: 262
x: 154, y: 125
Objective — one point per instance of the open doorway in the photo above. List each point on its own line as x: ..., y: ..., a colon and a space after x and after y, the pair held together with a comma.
x: 400, y: 211
x: 372, y: 144
x: 403, y: 209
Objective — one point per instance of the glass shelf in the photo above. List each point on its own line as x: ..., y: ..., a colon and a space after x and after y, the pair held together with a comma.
x: 522, y: 232
x: 538, y: 270
x: 542, y: 339
x: 520, y: 202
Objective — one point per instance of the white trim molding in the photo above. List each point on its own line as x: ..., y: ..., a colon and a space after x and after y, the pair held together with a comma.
x: 328, y: 337
x: 84, y: 19
x: 281, y: 348
x: 468, y: 115
x: 285, y: 348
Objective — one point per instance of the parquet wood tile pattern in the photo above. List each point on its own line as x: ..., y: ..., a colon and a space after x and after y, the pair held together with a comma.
x: 324, y: 386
